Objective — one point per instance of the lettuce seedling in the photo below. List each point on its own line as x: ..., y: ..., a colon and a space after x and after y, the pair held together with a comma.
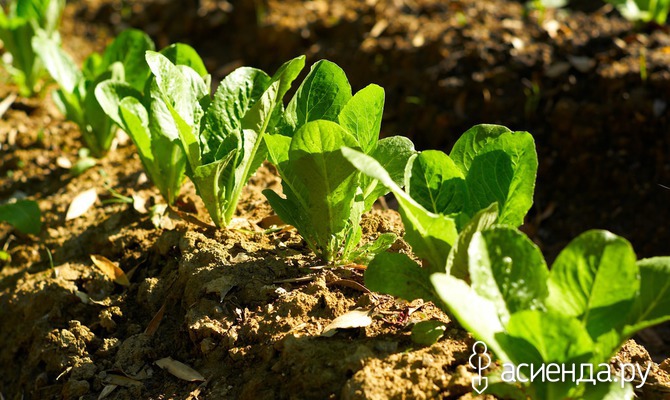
x: 325, y: 196
x: 19, y: 24
x: 595, y: 297
x: 488, y: 165
x: 221, y: 137
x: 122, y: 60
x: 147, y: 121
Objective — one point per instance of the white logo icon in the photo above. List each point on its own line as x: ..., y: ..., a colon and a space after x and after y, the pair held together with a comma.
x: 479, y: 382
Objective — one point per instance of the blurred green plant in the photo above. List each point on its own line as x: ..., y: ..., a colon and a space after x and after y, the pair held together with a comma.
x: 19, y: 24
x: 122, y: 61
x: 23, y: 215
x: 643, y: 11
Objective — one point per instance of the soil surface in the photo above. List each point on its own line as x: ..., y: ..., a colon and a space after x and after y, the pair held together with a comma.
x: 245, y: 307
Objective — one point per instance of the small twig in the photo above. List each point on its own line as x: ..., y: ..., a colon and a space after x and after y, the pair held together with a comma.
x: 350, y: 284
x: 301, y: 279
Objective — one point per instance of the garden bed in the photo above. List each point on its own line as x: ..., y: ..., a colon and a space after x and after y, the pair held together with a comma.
x: 245, y: 307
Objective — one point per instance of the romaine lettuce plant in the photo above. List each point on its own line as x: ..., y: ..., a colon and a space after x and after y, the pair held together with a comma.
x: 24, y: 20
x: 122, y: 60
x: 448, y: 194
x: 595, y: 297
x: 147, y: 121
x: 324, y: 195
x: 221, y: 137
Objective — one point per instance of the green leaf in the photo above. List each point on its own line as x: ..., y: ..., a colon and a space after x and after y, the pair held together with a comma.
x: 362, y: 116
x: 365, y: 254
x: 508, y: 269
x: 458, y: 260
x: 396, y: 274
x: 315, y: 151
x: 437, y: 183
x: 322, y: 95
x: 169, y: 166
x: 162, y: 158
x: 499, y: 166
x: 183, y: 54
x: 59, y: 64
x: 392, y: 153
x: 109, y: 95
x: 536, y: 338
x: 595, y: 279
x: 235, y: 96
x: 428, y: 333
x: 178, y: 85
x: 98, y: 129
x: 652, y: 304
x: 129, y: 49
x: 430, y: 235
x: 24, y: 215
x: 211, y: 187
x: 475, y: 313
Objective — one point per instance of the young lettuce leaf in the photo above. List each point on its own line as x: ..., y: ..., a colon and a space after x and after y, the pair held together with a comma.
x: 531, y: 317
x: 488, y: 164
x: 76, y: 96
x: 221, y: 138
x: 325, y: 196
x: 19, y: 24
x: 148, y: 121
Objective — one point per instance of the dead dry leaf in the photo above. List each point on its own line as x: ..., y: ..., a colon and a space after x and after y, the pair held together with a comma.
x: 350, y: 284
x: 64, y: 162
x: 271, y: 222
x: 155, y: 321
x: 81, y: 203
x: 110, y: 269
x: 582, y: 64
x: 6, y: 103
x: 352, y: 319
x: 180, y: 370
x: 220, y: 286
x: 106, y: 391
x: 140, y: 204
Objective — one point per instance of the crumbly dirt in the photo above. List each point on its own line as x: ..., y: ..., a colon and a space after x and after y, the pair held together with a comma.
x: 244, y: 307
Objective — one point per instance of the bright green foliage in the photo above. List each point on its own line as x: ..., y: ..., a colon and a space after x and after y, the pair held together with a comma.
x: 219, y: 140
x: 24, y: 20
x: 149, y: 123
x: 643, y: 10
x: 488, y: 165
x: 325, y: 195
x: 428, y: 332
x: 24, y: 215
x: 122, y: 61
x: 595, y: 298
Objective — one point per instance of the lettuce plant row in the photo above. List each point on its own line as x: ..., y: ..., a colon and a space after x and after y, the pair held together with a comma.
x: 461, y: 211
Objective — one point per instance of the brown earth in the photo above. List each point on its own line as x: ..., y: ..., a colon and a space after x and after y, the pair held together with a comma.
x: 245, y: 307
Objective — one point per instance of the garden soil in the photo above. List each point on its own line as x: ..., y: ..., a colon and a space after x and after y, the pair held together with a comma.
x: 243, y: 309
